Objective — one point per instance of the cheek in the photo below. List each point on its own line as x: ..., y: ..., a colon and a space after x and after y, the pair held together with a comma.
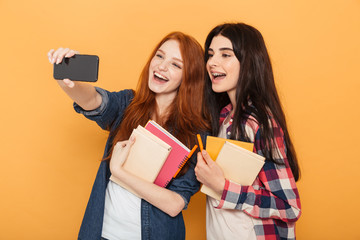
x: 178, y: 82
x: 152, y: 63
x: 178, y: 75
x: 233, y: 68
x: 208, y: 69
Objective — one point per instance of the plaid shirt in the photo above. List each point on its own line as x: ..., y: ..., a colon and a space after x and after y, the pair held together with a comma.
x: 273, y: 199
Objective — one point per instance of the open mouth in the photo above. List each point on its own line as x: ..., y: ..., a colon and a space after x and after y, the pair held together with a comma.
x: 160, y: 77
x: 217, y: 75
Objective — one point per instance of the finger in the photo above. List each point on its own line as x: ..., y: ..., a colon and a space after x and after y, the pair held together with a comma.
x: 121, y: 144
x: 196, y: 170
x: 118, y: 145
x: 132, y: 140
x: 117, y: 149
x: 50, y: 55
x: 69, y: 83
x: 61, y: 54
x: 124, y: 143
x: 200, y: 160
x: 207, y: 158
x: 128, y: 145
x: 199, y: 174
x: 71, y: 53
x: 56, y: 54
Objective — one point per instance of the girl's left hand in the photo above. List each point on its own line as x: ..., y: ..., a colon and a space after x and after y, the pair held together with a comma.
x: 120, y: 154
x: 209, y: 172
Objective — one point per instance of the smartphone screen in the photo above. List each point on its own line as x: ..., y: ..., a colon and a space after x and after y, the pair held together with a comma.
x: 78, y: 68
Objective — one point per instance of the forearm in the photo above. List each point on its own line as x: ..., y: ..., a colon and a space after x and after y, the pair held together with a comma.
x: 166, y: 200
x: 261, y: 202
x: 84, y: 94
x: 274, y: 193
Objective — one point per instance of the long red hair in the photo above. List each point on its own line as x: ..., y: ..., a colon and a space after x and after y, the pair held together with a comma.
x: 185, y: 116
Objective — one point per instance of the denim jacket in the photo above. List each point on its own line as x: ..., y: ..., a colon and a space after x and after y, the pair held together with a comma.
x: 155, y: 224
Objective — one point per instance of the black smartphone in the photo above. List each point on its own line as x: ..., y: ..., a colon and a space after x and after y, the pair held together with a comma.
x: 78, y: 68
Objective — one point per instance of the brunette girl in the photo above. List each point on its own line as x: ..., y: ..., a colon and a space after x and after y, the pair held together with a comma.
x: 244, y: 105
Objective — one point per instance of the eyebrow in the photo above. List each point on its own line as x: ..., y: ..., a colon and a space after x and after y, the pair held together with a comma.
x: 177, y: 59
x: 222, y: 49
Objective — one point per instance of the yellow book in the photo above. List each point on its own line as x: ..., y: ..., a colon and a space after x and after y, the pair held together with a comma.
x: 214, y: 145
x: 238, y: 164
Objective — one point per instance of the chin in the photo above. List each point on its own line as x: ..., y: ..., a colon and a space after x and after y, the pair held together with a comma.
x: 218, y: 89
x: 154, y: 89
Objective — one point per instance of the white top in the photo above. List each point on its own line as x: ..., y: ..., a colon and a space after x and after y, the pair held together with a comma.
x: 122, y: 216
x: 227, y: 223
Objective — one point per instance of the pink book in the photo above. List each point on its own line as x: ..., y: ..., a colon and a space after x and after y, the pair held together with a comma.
x: 178, y: 154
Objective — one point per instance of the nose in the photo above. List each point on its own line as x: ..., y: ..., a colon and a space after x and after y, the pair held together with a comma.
x: 163, y: 66
x: 212, y: 62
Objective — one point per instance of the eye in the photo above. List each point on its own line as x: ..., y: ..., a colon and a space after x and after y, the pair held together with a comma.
x: 177, y: 65
x: 226, y: 55
x: 159, y: 55
x: 210, y: 55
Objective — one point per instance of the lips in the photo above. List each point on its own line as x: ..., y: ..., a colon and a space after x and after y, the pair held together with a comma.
x: 160, y: 77
x: 217, y: 76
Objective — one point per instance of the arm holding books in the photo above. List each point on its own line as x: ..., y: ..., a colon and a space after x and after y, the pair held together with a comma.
x: 168, y: 201
x: 273, y: 193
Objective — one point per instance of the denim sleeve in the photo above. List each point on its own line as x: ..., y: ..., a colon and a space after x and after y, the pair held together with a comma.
x: 109, y: 114
x: 187, y: 185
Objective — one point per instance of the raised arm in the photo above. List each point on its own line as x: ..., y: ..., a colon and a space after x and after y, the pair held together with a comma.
x: 84, y: 94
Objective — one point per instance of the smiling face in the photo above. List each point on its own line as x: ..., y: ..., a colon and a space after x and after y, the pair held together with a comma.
x: 166, y: 70
x: 223, y: 67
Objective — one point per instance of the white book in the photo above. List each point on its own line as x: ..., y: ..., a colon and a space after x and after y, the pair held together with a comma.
x: 146, y: 157
x: 238, y: 164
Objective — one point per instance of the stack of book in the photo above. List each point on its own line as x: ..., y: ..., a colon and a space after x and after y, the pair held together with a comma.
x: 156, y: 155
x: 236, y: 159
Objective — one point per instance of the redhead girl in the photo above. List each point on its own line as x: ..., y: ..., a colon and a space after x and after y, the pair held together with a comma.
x: 167, y: 92
x: 244, y: 105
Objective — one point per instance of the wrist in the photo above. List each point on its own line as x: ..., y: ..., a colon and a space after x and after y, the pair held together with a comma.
x: 221, y: 186
x: 117, y: 171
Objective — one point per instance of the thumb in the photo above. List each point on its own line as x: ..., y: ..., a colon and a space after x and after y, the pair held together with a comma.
x: 69, y: 83
x: 132, y: 140
x: 126, y: 148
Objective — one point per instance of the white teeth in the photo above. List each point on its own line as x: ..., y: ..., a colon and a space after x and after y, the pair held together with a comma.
x: 218, y: 74
x: 160, y: 76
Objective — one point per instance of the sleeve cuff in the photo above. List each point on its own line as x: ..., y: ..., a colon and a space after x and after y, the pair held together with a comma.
x: 97, y: 111
x: 185, y: 201
x: 230, y: 196
x: 223, y: 195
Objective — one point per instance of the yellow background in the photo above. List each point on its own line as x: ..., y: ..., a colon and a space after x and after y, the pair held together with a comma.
x: 50, y: 155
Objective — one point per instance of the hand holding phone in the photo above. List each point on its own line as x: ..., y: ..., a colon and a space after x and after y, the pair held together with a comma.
x: 68, y: 64
x: 78, y: 68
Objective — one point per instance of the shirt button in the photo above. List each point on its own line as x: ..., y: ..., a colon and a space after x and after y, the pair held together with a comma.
x: 228, y: 133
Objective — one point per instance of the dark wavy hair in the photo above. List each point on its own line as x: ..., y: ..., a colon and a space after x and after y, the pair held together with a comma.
x: 256, y: 83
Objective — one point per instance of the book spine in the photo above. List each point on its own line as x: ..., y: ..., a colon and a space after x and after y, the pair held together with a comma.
x: 182, y: 163
x: 167, y: 182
